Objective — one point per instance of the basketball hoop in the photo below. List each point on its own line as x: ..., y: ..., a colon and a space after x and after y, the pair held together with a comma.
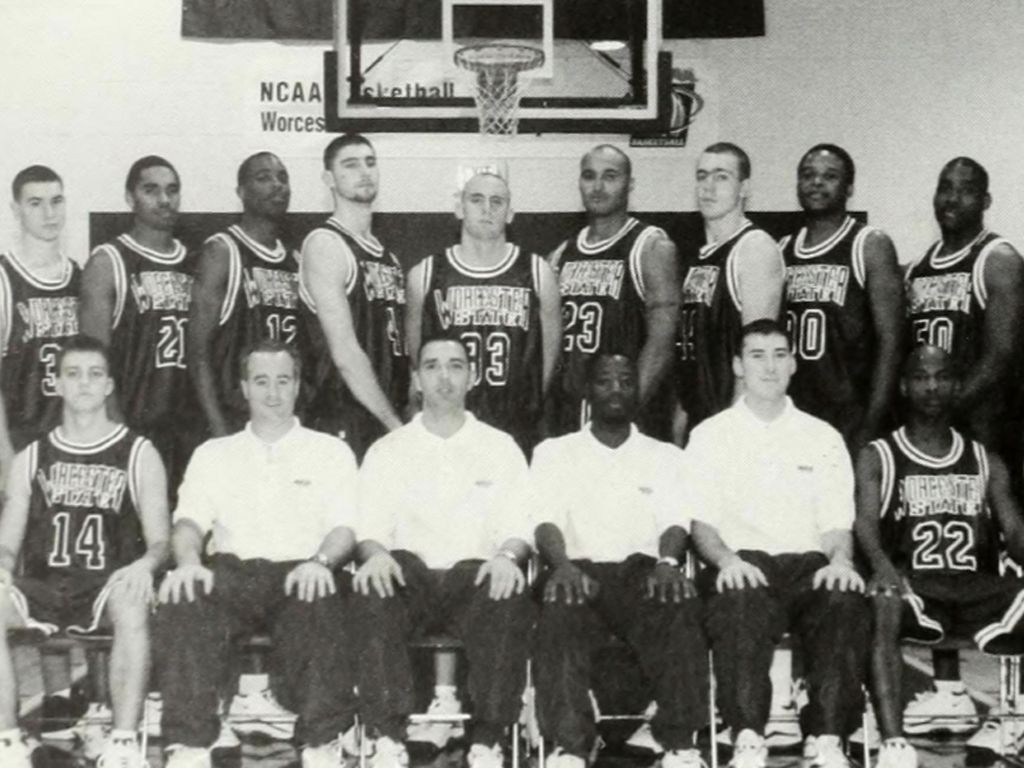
x: 497, y: 67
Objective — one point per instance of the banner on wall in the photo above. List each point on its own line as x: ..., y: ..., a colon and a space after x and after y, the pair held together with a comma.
x: 421, y: 19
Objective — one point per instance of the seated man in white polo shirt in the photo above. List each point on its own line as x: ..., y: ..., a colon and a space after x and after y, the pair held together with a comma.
x: 279, y: 500
x: 444, y: 524
x: 771, y: 490
x: 614, y: 534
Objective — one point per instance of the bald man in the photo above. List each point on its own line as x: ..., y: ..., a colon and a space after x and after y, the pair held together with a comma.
x: 620, y: 291
x: 501, y: 301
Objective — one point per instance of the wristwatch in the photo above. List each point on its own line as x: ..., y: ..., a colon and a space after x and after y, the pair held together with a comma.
x: 323, y: 559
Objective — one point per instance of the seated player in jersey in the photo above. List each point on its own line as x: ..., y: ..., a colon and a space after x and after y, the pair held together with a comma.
x: 931, y: 506
x: 279, y: 500
x: 613, y: 534
x: 86, y: 518
x: 770, y: 492
x: 501, y: 301
x: 444, y: 525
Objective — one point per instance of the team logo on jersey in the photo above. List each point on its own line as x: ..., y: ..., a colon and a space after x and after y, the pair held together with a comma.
x: 271, y: 288
x: 933, y: 495
x: 504, y: 305
x: 383, y: 281
x: 93, y: 486
x: 592, y: 277
x: 940, y: 293
x: 699, y: 286
x: 817, y: 283
x: 162, y: 291
x: 50, y: 317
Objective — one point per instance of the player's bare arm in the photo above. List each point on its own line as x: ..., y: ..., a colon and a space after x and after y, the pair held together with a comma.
x: 325, y: 276
x: 1007, y: 508
x: 97, y: 297
x: 886, y: 299
x: 14, y: 519
x: 314, y: 578
x: 136, y: 579
x: 208, y: 291
x: 660, y: 271
x: 868, y: 495
x: 550, y: 321
x: 668, y: 582
x: 189, y: 573
x: 566, y: 577
x: 1004, y: 314
x: 761, y: 275
x: 414, y: 298
x: 378, y: 571
x: 733, y: 571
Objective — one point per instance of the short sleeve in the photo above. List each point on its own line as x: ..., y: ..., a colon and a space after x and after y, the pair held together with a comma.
x: 835, y: 507
x: 674, y: 510
x: 194, y: 500
x: 547, y: 485
x: 513, y: 518
x: 699, y: 494
x: 340, y: 501
x: 376, y: 517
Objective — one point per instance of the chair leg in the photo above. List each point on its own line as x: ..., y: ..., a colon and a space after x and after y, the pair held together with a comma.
x: 711, y: 712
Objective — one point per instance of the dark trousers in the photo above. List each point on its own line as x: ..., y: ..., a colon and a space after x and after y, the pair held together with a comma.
x: 494, y: 634
x: 667, y: 638
x: 744, y: 626
x: 310, y: 672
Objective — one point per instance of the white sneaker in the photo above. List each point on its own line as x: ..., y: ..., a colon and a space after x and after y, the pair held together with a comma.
x: 259, y: 713
x: 810, y: 747
x: 682, y: 758
x: 438, y: 732
x: 153, y: 709
x: 482, y: 756
x: 323, y: 756
x: 896, y: 753
x: 873, y: 735
x: 749, y: 750
x: 121, y: 753
x: 350, y: 743
x: 830, y: 752
x: 643, y: 739
x: 389, y: 753
x: 783, y: 726
x: 188, y: 757
x: 999, y: 735
x: 226, y: 739
x: 16, y: 752
x: 949, y: 710
x: 561, y: 759
x: 93, y: 730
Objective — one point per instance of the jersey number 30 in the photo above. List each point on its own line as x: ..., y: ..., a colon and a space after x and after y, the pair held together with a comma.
x: 88, y: 541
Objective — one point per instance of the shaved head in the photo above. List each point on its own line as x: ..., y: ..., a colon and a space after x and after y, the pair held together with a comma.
x: 925, y: 353
x: 609, y: 151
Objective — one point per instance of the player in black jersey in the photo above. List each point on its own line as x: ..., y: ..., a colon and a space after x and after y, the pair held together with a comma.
x: 136, y: 291
x: 930, y: 509
x: 503, y: 304
x: 353, y: 296
x: 86, y: 518
x: 844, y: 304
x: 38, y: 308
x: 246, y: 289
x: 735, y: 278
x: 619, y: 286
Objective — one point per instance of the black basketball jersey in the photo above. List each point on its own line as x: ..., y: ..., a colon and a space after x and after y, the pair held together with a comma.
x: 376, y: 298
x: 496, y: 312
x: 709, y: 325
x: 602, y: 289
x: 35, y: 315
x: 152, y: 294
x: 261, y: 302
x: 83, y: 511
x: 935, y: 516
x: 829, y: 319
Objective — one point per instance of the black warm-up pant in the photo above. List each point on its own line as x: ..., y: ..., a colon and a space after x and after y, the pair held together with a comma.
x: 667, y: 638
x: 494, y: 633
x: 310, y: 669
x: 744, y: 626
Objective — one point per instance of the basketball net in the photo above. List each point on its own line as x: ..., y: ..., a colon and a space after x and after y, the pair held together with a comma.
x: 498, y: 87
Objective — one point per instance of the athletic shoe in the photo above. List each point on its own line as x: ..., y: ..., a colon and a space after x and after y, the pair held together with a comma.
x: 830, y: 753
x: 350, y: 743
x: 389, y: 753
x: 783, y: 726
x: 259, y: 713
x: 561, y: 759
x: 15, y: 752
x: 482, y: 756
x: 323, y: 756
x: 440, y: 732
x: 188, y: 757
x: 153, y: 710
x: 749, y: 750
x: 896, y: 753
x: 643, y: 739
x: 1000, y: 736
x: 872, y: 734
x: 682, y: 758
x: 226, y: 739
x: 809, y: 750
x: 93, y: 730
x: 121, y: 753
x: 949, y: 710
x: 60, y: 714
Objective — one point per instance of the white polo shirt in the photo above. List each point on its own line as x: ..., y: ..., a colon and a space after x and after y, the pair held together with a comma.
x: 270, y: 500
x: 774, y: 486
x: 609, y: 503
x: 444, y: 499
